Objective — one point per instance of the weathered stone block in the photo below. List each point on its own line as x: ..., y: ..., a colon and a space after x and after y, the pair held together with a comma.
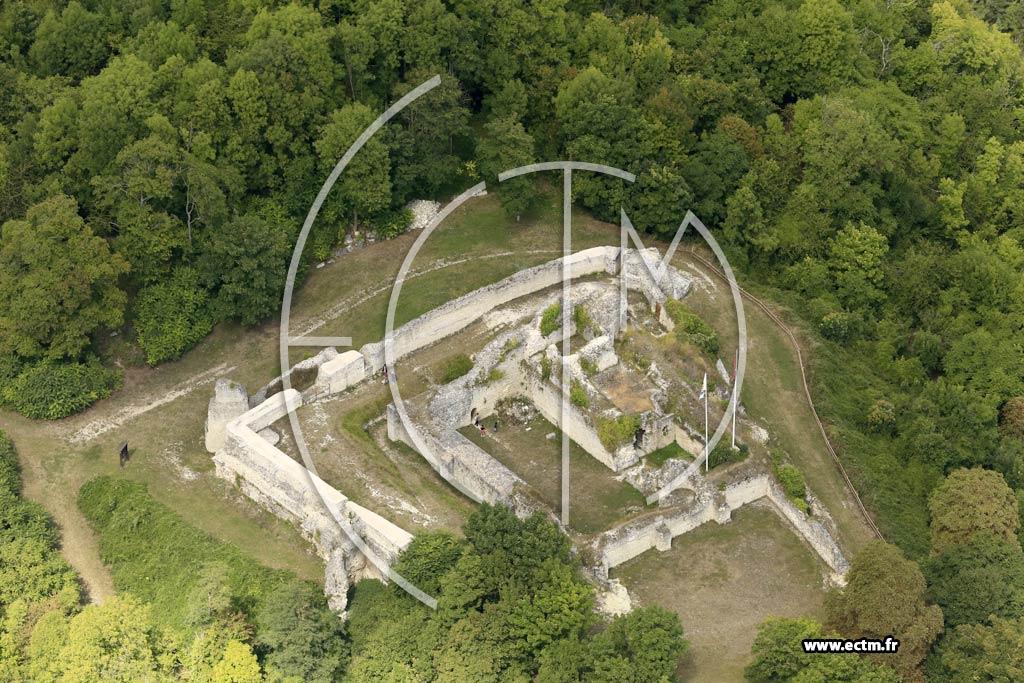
x: 341, y: 372
x: 230, y: 400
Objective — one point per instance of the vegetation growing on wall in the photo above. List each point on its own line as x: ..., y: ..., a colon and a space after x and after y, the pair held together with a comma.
x: 791, y: 481
x: 578, y: 395
x: 690, y: 329
x: 615, y: 432
x: 551, y: 319
x: 724, y: 454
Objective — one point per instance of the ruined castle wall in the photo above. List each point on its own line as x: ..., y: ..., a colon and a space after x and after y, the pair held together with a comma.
x: 548, y: 400
x: 345, y: 370
x: 289, y: 490
x: 229, y: 401
x: 811, y: 530
x: 625, y: 543
x: 465, y: 465
x: 459, y: 313
x: 316, y: 361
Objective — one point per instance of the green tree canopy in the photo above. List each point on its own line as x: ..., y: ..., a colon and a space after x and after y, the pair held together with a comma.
x: 59, y: 282
x: 245, y: 265
x: 885, y: 596
x: 507, y: 145
x: 982, y: 577
x: 969, y: 501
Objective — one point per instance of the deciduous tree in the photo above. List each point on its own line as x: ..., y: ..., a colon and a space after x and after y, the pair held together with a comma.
x: 59, y: 281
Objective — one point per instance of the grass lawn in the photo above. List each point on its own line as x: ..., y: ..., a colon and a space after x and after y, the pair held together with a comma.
x: 597, y: 501
x: 724, y: 580
x: 161, y: 411
x: 662, y: 455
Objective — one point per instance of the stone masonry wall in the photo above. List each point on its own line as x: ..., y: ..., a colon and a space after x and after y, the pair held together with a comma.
x: 292, y: 492
x: 459, y: 313
x: 629, y: 541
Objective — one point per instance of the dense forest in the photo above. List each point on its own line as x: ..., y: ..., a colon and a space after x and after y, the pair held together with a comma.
x: 861, y: 160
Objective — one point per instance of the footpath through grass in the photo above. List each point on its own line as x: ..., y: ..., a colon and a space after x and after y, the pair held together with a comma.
x: 161, y: 411
x: 773, y: 394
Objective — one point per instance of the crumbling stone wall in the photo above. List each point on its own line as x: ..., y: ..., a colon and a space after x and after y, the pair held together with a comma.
x: 461, y: 312
x: 292, y: 492
x: 630, y: 540
x: 462, y: 463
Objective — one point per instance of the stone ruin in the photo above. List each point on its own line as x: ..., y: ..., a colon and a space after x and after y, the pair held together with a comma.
x: 517, y: 363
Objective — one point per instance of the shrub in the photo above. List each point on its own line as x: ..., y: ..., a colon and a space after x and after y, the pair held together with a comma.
x: 588, y: 366
x: 791, y: 481
x: 393, y: 224
x: 491, y: 377
x: 837, y: 326
x: 428, y: 558
x: 551, y: 318
x: 31, y: 567
x: 618, y: 431
x: 723, y: 454
x: 510, y: 345
x: 690, y: 329
x: 10, y: 472
x: 172, y: 316
x: 545, y: 368
x: 578, y: 395
x: 455, y: 367
x: 10, y: 367
x: 52, y: 390
x: 882, y: 416
x: 583, y: 321
x: 135, y: 533
x: 1011, y: 417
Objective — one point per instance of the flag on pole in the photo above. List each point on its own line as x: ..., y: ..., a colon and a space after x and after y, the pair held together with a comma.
x: 704, y: 388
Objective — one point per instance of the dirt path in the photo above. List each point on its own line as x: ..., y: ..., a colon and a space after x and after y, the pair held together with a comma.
x: 160, y: 406
x: 102, y: 425
x: 58, y: 457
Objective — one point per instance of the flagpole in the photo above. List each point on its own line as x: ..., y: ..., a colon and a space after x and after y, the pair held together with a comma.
x: 735, y: 398
x: 707, y: 451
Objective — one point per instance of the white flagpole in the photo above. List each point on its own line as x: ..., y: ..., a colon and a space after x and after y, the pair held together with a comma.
x: 735, y: 398
x: 707, y: 451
